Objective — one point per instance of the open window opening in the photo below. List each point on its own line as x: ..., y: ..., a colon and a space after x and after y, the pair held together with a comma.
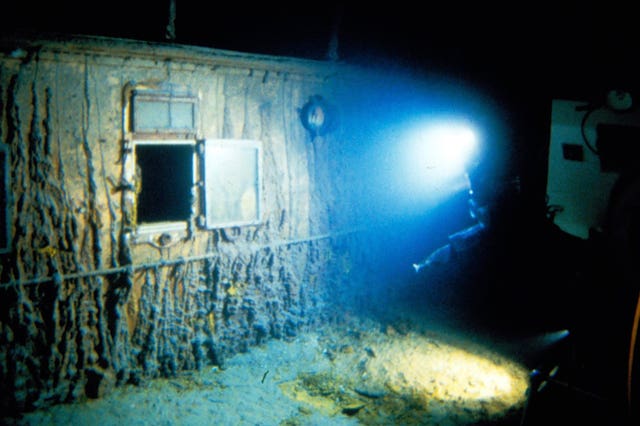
x: 166, y: 178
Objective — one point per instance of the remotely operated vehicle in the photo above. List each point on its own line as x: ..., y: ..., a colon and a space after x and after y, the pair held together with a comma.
x: 593, y: 190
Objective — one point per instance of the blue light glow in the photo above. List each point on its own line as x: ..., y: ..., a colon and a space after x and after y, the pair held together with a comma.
x: 442, y: 149
x: 411, y: 143
x: 436, y: 154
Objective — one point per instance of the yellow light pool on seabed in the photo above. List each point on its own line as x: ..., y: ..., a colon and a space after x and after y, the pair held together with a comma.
x: 446, y: 375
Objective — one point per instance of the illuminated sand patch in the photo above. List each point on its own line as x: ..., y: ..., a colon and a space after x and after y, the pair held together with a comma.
x: 413, y: 379
x: 447, y: 373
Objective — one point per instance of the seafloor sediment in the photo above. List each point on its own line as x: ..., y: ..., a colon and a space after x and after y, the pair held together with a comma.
x: 356, y: 373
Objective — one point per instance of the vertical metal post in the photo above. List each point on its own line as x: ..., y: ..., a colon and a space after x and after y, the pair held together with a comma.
x: 170, y: 33
x: 332, y: 49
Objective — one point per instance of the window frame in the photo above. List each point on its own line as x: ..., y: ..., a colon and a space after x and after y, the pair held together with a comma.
x: 160, y: 233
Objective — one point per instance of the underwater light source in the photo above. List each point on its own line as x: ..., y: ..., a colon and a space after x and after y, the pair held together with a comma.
x: 446, y: 147
x: 437, y: 154
x: 449, y: 146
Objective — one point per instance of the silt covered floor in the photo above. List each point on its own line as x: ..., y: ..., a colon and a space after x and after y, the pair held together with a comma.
x: 356, y: 371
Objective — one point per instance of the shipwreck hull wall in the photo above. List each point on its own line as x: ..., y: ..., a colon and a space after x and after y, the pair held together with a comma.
x: 83, y: 306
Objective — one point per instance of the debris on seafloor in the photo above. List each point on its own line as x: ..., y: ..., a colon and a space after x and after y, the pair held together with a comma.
x: 352, y: 410
x: 330, y: 354
x: 370, y: 391
x: 410, y: 379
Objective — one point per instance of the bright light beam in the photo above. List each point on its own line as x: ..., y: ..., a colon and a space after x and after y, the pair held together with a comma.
x: 437, y: 155
x: 447, y: 147
x: 547, y: 340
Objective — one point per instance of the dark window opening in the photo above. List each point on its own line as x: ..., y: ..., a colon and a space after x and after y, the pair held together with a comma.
x: 166, y: 176
x: 572, y: 152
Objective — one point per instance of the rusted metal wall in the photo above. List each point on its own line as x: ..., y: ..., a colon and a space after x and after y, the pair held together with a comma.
x: 82, y: 306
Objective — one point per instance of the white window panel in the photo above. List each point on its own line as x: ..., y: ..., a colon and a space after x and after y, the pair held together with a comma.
x: 160, y: 112
x: 232, y: 171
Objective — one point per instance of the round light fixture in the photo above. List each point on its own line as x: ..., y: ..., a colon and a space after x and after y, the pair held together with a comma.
x: 317, y: 116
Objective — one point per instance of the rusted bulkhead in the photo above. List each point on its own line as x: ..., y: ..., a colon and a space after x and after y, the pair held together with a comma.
x: 88, y: 301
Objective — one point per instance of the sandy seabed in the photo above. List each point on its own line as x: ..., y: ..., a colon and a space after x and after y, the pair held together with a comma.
x: 364, y: 373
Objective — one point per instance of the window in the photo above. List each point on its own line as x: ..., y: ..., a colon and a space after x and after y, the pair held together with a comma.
x: 162, y: 130
x: 5, y: 230
x: 232, y: 182
x: 169, y: 174
x: 163, y: 112
x: 165, y: 172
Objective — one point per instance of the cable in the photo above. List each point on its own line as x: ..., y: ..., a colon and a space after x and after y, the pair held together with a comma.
x: 632, y: 346
x: 57, y: 277
x: 582, y: 126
